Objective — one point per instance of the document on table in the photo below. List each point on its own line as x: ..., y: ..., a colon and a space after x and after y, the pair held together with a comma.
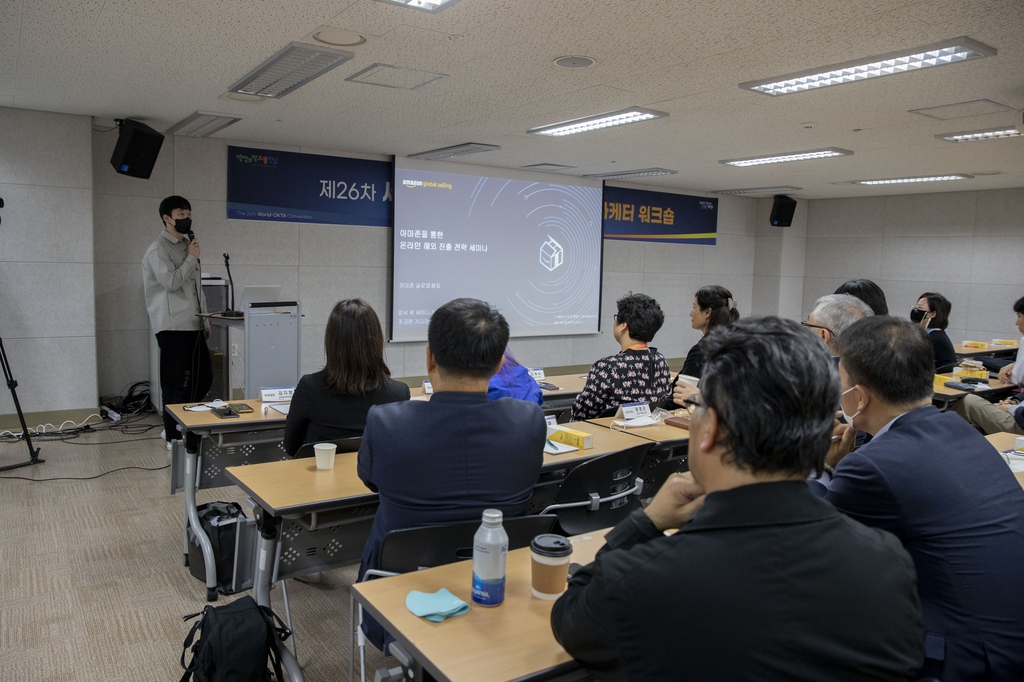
x: 555, y: 448
x: 282, y: 407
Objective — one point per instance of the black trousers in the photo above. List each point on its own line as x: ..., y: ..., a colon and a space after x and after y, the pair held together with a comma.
x: 186, y: 373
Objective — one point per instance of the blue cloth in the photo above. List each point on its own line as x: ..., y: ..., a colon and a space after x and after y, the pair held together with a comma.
x: 515, y: 383
x: 435, y: 606
x: 944, y: 491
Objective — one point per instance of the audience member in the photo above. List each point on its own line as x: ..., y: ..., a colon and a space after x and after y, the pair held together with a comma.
x: 713, y: 306
x: 638, y: 372
x: 831, y: 316
x: 447, y: 459
x: 514, y: 381
x: 939, y: 486
x: 333, y: 402
x: 867, y: 291
x: 1005, y: 415
x: 932, y: 313
x: 763, y: 581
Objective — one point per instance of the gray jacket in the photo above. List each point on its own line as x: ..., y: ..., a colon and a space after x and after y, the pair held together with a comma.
x: 172, y: 286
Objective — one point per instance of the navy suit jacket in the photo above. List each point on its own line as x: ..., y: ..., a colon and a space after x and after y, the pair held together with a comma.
x: 941, y: 488
x: 446, y: 460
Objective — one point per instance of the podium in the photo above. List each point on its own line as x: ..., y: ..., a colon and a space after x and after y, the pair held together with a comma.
x: 272, y: 333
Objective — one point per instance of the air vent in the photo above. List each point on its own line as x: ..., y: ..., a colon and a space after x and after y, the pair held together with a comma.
x: 766, y: 191
x: 202, y: 124
x: 400, y: 78
x: 291, y: 68
x: 547, y: 166
x: 456, y: 151
x: 637, y: 173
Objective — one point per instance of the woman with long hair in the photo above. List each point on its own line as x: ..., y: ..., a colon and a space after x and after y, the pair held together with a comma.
x: 713, y: 306
x: 333, y: 402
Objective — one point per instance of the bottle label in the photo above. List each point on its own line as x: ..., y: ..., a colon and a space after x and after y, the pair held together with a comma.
x: 488, y: 592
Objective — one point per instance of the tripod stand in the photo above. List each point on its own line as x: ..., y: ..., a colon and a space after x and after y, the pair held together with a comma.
x: 33, y: 453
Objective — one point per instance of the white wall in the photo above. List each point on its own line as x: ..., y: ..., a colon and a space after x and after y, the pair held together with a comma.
x: 968, y: 246
x: 46, y: 260
x: 320, y: 264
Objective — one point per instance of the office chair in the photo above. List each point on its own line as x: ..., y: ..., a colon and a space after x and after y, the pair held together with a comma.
x: 344, y: 445
x: 946, y: 369
x: 412, y: 549
x: 660, y: 462
x: 601, y: 492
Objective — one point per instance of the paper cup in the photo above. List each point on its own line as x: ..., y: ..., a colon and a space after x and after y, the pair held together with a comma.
x: 325, y: 455
x: 549, y: 566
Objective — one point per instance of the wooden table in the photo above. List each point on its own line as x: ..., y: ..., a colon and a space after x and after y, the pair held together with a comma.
x: 251, y: 437
x: 944, y: 396
x: 568, y: 386
x: 1003, y: 442
x: 659, y: 433
x: 508, y: 642
x: 297, y: 486
x: 989, y: 350
x: 605, y: 441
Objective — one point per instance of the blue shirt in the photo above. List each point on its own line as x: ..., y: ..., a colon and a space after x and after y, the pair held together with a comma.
x: 515, y: 383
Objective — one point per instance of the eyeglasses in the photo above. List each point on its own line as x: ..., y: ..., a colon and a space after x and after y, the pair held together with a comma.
x: 692, y: 403
x: 818, y: 326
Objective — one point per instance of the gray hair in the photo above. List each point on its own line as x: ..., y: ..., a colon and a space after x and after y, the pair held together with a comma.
x: 839, y: 311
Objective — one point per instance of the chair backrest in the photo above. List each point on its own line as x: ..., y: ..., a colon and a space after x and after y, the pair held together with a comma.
x: 410, y: 549
x: 604, y: 476
x: 660, y: 462
x: 946, y: 369
x: 344, y: 445
x: 561, y: 414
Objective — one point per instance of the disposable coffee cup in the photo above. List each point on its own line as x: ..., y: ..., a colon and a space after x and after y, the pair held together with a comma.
x: 324, y: 455
x: 550, y: 564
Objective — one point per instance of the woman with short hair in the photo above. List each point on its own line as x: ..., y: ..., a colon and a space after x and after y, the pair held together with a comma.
x: 333, y: 402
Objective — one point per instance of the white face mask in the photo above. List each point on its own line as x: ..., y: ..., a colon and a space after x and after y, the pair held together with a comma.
x: 849, y: 418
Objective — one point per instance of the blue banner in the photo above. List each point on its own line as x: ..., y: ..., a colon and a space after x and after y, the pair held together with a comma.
x: 290, y: 187
x: 638, y: 215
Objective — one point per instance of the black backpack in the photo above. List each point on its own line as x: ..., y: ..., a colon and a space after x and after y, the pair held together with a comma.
x: 234, y: 643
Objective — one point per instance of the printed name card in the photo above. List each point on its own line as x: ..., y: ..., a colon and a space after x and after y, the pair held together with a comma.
x: 428, y: 389
x: 537, y: 373
x: 551, y: 419
x: 634, y: 410
x: 276, y: 394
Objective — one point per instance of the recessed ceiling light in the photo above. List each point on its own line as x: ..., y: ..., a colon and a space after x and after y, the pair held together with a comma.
x: 639, y: 173
x: 202, y: 124
x: 778, y: 189
x: 430, y: 6
x: 1013, y: 129
x: 598, y: 121
x: 575, y: 62
x: 291, y: 68
x: 456, y: 151
x: 923, y: 178
x: 826, y: 153
x: 239, y: 97
x: 947, y: 52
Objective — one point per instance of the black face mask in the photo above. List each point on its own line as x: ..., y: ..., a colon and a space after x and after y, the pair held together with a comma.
x: 183, y: 225
x: 916, y: 315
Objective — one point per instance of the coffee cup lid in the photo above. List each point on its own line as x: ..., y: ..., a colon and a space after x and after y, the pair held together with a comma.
x: 551, y: 545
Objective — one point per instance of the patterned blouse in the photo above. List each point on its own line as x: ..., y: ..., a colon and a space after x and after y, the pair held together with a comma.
x: 630, y: 376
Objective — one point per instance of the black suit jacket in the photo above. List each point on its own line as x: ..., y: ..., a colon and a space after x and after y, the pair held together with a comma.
x: 766, y: 582
x: 942, y: 489
x: 446, y: 460
x: 317, y: 414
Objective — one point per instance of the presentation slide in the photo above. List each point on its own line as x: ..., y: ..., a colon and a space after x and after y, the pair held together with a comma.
x: 527, y: 243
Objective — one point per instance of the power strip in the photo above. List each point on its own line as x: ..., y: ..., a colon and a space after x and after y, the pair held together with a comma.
x: 114, y: 416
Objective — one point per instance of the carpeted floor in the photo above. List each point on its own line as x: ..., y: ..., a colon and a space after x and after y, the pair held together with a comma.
x: 92, y: 585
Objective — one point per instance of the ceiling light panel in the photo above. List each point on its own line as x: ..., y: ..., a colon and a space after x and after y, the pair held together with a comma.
x: 946, y: 52
x: 202, y: 124
x: 1013, y: 129
x: 778, y: 189
x: 639, y: 173
x: 291, y: 68
x: 597, y: 122
x: 826, y: 153
x: 923, y: 178
x: 429, y: 6
x: 456, y: 151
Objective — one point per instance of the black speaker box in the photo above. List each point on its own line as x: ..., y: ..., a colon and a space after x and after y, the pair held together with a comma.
x: 782, y: 211
x: 137, y: 147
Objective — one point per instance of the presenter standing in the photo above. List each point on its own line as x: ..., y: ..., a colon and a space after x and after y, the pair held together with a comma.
x: 171, y: 277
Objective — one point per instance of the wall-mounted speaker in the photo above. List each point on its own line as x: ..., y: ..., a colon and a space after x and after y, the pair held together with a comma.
x: 137, y: 147
x: 783, y: 209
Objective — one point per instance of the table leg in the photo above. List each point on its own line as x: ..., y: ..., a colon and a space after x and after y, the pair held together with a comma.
x: 191, y: 460
x: 262, y: 577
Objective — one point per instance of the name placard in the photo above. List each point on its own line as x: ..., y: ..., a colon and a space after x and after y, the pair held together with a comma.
x: 428, y: 389
x: 634, y: 410
x: 277, y: 394
x: 537, y: 373
x: 551, y: 420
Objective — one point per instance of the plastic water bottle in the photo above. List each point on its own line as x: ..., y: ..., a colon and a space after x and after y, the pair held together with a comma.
x: 490, y: 551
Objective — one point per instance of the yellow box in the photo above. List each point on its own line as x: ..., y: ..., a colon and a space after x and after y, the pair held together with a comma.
x: 975, y: 344
x: 978, y: 373
x: 577, y: 439
x: 1004, y: 342
x: 940, y: 380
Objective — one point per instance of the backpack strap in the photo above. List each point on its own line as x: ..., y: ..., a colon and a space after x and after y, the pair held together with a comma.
x: 191, y: 667
x: 276, y: 634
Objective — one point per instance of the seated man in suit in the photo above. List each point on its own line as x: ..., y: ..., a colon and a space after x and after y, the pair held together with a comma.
x: 763, y: 581
x: 1006, y: 415
x: 941, y: 488
x: 446, y: 460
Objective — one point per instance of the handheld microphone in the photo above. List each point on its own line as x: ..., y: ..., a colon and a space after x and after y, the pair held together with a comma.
x: 191, y: 236
x: 231, y: 312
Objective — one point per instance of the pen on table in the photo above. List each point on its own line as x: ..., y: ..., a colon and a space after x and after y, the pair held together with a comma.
x: 548, y: 441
